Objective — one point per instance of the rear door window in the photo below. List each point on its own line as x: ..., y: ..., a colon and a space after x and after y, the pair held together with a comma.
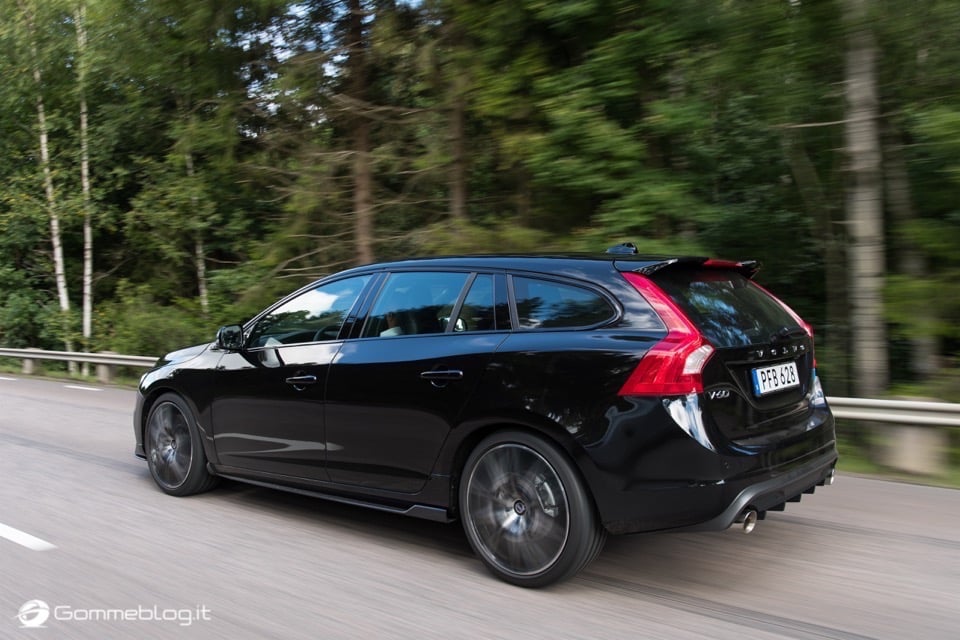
x: 485, y: 307
x: 546, y: 304
x: 414, y: 303
x: 729, y: 309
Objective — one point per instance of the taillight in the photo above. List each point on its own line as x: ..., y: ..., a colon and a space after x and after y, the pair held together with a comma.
x: 674, y: 365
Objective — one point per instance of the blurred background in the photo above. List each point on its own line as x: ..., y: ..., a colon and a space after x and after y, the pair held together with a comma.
x: 170, y: 166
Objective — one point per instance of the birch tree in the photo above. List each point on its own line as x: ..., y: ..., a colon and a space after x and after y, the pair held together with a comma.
x: 80, y: 20
x: 867, y: 251
x: 29, y: 16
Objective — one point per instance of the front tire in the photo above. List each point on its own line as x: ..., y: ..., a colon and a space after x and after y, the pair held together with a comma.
x: 174, y: 451
x: 525, y: 510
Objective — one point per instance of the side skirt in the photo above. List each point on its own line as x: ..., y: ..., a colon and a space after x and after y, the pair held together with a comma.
x: 435, y: 514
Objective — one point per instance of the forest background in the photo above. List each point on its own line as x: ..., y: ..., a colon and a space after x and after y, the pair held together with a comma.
x: 170, y: 166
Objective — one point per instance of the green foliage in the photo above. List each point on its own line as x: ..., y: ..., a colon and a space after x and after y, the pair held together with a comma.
x: 134, y: 323
x: 475, y: 238
x: 935, y: 235
x: 230, y: 128
x: 239, y: 293
x: 20, y: 325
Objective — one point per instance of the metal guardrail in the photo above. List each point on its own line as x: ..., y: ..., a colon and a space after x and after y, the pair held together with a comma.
x: 111, y: 359
x: 904, y: 412
x: 912, y: 412
x: 105, y: 362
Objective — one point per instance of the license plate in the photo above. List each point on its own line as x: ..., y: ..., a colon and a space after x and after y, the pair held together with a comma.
x: 777, y: 377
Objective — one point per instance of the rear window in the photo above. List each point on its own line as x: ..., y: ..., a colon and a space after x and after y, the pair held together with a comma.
x: 728, y: 309
x: 545, y: 304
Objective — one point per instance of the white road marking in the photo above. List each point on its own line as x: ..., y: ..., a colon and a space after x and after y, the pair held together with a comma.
x: 25, y: 539
x: 79, y: 388
x: 6, y: 378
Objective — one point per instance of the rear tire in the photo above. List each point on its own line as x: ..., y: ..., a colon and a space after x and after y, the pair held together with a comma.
x: 526, y: 512
x: 174, y: 450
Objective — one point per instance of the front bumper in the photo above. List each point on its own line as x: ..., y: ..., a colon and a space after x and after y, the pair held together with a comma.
x: 138, y: 428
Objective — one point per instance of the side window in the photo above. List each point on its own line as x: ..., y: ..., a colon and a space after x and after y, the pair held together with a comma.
x: 485, y: 307
x: 476, y: 314
x: 314, y: 315
x: 414, y: 303
x: 544, y: 304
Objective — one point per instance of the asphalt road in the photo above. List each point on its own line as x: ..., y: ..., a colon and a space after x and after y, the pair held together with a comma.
x: 83, y: 529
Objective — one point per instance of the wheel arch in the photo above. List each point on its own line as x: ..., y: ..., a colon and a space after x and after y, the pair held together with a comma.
x: 454, y: 456
x: 154, y: 393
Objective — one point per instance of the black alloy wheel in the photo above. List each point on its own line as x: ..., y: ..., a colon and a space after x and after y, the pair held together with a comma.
x: 526, y: 512
x: 174, y: 451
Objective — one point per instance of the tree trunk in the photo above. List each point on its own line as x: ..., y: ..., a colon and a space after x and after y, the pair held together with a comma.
x: 834, y: 339
x: 87, y: 320
x: 865, y: 207
x: 362, y: 194
x: 49, y: 191
x: 362, y: 173
x: 924, y: 349
x: 199, y: 247
x: 458, y: 164
x: 200, y: 263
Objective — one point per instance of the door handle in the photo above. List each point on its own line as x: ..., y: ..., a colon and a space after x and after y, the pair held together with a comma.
x: 301, y: 381
x: 440, y: 378
x: 444, y: 375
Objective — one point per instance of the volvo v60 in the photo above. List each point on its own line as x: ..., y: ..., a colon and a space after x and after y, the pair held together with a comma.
x: 543, y: 401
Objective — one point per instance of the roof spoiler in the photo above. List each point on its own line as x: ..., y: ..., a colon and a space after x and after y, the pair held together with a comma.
x: 746, y: 268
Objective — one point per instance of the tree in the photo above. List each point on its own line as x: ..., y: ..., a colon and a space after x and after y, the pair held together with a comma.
x: 27, y: 20
x: 192, y: 70
x: 80, y: 22
x: 865, y: 205
x: 356, y: 70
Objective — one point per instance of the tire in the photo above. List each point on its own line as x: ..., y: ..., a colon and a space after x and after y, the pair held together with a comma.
x: 526, y: 512
x: 174, y: 450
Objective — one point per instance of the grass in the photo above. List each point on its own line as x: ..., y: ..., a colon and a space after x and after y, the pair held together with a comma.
x: 52, y: 370
x: 860, y: 458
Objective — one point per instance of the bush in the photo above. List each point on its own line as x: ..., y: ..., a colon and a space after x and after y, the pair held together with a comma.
x: 135, y: 324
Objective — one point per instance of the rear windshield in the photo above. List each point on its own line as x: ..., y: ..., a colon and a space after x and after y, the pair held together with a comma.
x: 728, y: 309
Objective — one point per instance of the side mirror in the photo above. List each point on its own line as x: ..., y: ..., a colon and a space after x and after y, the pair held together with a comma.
x: 230, y: 337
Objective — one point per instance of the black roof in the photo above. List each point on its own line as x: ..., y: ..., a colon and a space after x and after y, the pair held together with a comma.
x: 560, y: 262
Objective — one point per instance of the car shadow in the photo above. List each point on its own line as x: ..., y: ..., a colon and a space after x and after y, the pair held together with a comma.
x: 687, y: 562
x: 446, y: 537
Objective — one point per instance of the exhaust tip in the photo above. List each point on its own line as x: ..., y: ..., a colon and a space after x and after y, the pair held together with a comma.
x: 748, y: 520
x: 831, y: 477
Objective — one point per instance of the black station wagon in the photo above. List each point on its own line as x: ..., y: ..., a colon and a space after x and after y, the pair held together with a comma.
x: 544, y: 401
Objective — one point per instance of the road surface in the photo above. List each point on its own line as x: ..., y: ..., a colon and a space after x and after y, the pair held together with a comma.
x: 84, y: 530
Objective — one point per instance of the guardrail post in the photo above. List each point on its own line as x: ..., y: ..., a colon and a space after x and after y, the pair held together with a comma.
x: 106, y: 372
x: 30, y: 366
x: 915, y: 449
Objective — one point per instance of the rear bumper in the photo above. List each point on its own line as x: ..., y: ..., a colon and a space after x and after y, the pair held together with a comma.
x: 773, y: 493
x: 647, y: 474
x: 716, y: 505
